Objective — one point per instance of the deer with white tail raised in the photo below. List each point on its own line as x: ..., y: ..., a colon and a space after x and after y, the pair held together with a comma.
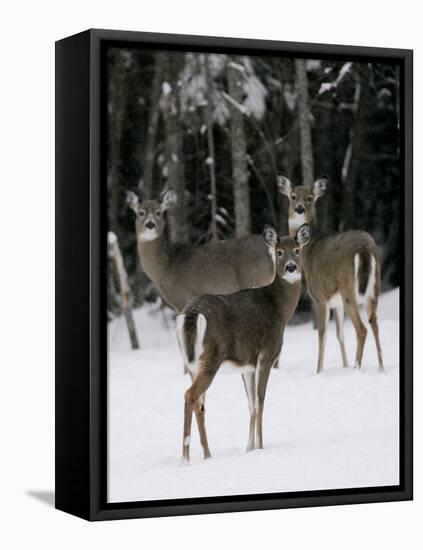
x: 342, y: 271
x: 181, y: 272
x: 245, y: 330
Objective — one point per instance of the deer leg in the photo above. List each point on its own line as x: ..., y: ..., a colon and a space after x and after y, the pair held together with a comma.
x: 187, y: 427
x: 263, y: 377
x: 193, y: 395
x: 371, y: 308
x: 200, y: 413
x: 249, y: 380
x: 339, y: 318
x: 322, y: 318
x: 361, y: 331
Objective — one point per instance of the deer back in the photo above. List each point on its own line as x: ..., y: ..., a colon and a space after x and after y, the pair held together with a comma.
x: 330, y: 263
x: 183, y: 272
x: 242, y: 326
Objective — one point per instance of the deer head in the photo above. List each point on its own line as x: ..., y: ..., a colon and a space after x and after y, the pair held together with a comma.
x: 302, y: 200
x: 287, y: 251
x: 150, y: 221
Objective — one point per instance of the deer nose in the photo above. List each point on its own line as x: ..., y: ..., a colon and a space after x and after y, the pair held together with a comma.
x: 300, y: 209
x: 150, y: 225
x: 291, y: 267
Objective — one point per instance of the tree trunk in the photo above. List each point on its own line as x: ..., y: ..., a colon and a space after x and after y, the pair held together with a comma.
x: 240, y: 173
x: 350, y: 169
x: 303, y: 107
x: 122, y: 278
x: 153, y: 120
x: 117, y: 87
x: 174, y: 154
x: 211, y: 157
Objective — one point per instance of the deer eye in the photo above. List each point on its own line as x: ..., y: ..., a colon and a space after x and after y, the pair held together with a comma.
x: 297, y: 251
x: 142, y: 212
x: 293, y: 196
x: 310, y: 198
x: 157, y: 213
x: 279, y: 252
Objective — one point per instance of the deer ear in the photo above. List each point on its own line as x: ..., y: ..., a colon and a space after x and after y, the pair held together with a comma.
x: 270, y: 236
x: 132, y: 201
x: 319, y: 187
x: 303, y: 234
x: 284, y: 186
x: 169, y: 199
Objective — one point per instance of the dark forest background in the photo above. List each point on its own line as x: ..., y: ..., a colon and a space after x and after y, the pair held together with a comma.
x: 219, y: 128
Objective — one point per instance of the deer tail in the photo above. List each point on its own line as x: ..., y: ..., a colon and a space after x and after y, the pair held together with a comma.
x: 365, y: 273
x: 190, y: 330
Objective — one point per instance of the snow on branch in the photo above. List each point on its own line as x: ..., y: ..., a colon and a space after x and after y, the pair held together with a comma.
x: 166, y: 88
x: 327, y: 86
x: 255, y: 91
x: 242, y: 108
x: 236, y: 66
x: 111, y: 238
x: 221, y: 220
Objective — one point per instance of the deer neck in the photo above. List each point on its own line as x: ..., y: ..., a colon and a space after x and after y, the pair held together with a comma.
x: 155, y: 256
x: 308, y: 250
x: 285, y: 297
x: 295, y: 221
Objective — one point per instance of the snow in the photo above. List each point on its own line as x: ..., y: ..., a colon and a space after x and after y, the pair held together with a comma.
x: 290, y: 96
x: 313, y: 64
x: 237, y: 66
x: 241, y: 108
x: 221, y: 220
x: 255, y: 92
x: 166, y: 88
x: 111, y: 237
x: 346, y: 67
x: 327, y: 86
x: 334, y: 430
x: 194, y: 93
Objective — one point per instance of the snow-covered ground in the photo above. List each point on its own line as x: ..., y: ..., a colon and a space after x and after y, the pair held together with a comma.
x: 334, y: 430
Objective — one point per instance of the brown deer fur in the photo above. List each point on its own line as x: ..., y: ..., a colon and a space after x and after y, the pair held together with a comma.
x: 244, y: 329
x: 181, y: 272
x: 342, y: 270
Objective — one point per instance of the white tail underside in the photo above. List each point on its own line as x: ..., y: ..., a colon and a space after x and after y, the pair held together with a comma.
x: 370, y: 290
x: 335, y: 301
x: 199, y: 338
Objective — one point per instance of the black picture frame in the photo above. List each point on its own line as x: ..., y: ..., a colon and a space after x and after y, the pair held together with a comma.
x: 81, y: 353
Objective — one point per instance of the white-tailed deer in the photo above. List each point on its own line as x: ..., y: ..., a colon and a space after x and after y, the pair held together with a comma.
x: 181, y: 272
x: 244, y: 329
x: 342, y: 271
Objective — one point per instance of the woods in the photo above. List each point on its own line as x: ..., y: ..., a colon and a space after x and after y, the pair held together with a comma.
x: 218, y: 129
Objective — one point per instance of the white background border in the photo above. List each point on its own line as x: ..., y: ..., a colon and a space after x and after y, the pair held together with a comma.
x: 29, y: 30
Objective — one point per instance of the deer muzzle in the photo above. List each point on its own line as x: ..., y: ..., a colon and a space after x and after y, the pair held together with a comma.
x: 150, y: 225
